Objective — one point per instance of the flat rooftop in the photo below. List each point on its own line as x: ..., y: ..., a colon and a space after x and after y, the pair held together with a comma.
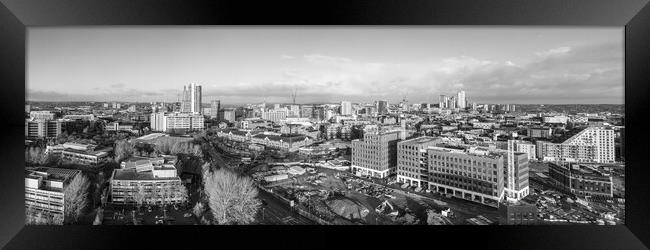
x: 151, y: 136
x: 131, y: 174
x: 419, y: 140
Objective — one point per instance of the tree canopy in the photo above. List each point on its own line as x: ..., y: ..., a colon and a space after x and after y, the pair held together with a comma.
x: 232, y: 199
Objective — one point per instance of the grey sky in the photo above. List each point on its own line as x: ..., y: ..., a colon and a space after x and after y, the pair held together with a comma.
x: 327, y: 64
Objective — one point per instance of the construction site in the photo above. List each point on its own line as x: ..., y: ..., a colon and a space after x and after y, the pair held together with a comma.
x: 338, y: 197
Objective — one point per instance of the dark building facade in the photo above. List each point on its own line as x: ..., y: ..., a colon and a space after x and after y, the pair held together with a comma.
x: 517, y: 214
x: 580, y: 180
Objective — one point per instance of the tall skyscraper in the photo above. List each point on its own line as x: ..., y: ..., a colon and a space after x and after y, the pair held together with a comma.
x: 215, y: 106
x: 460, y: 99
x: 346, y: 108
x: 444, y: 101
x: 382, y: 107
x: 191, y: 102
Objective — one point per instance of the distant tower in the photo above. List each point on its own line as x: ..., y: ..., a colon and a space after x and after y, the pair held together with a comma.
x: 293, y: 95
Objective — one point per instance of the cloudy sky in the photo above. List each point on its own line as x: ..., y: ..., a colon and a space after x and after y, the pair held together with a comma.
x: 544, y: 65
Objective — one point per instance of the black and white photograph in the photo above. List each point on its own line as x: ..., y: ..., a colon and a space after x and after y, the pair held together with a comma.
x: 327, y: 125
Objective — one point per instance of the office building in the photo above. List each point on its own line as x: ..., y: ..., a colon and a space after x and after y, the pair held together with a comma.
x: 460, y: 100
x: 468, y: 173
x: 581, y: 180
x: 593, y: 144
x: 156, y: 178
x: 191, y: 102
x: 375, y: 155
x: 42, y: 128
x: 215, y: 107
x: 346, y: 108
x: 412, y: 166
x: 167, y: 122
x: 382, y: 107
x: 45, y: 190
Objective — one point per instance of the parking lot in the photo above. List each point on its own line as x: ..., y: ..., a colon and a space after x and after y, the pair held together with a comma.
x: 154, y: 215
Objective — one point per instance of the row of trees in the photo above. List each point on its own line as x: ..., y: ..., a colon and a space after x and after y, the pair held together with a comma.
x: 168, y: 146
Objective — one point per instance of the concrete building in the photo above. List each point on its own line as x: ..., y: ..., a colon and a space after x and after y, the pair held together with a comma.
x: 45, y: 190
x: 191, y: 102
x: 382, y: 107
x: 581, y: 180
x: 461, y: 101
x: 375, y: 155
x: 519, y: 213
x: 89, y: 117
x: 473, y: 174
x: 167, y: 122
x: 593, y: 144
x: 82, y: 153
x: 215, y: 106
x: 157, y: 179
x: 275, y: 115
x: 526, y: 147
x: 346, y: 108
x: 42, y: 128
x: 540, y: 132
x: 229, y: 115
x: 41, y: 115
x: 412, y: 165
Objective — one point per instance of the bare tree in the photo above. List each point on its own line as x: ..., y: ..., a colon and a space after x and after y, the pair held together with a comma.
x: 123, y: 150
x: 140, y: 195
x: 76, y: 198
x: 231, y: 198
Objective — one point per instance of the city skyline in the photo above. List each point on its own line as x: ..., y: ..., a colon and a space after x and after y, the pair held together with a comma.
x: 491, y: 64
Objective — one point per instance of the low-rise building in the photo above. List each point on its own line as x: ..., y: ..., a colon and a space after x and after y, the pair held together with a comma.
x: 80, y: 153
x: 147, y: 181
x: 581, y: 180
x: 45, y: 190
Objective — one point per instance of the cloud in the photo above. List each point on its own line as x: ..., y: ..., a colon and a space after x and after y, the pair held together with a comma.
x: 587, y: 73
x: 590, y: 73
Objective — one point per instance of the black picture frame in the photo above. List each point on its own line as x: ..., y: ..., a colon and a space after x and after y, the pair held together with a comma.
x: 17, y: 15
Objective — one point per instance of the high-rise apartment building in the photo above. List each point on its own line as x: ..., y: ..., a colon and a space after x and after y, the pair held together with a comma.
x: 346, y: 108
x: 42, y: 128
x: 191, y: 102
x: 176, y: 121
x: 593, y: 144
x: 375, y: 155
x: 215, y: 106
x: 460, y: 100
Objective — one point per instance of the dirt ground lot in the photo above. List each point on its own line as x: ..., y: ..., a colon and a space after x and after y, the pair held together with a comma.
x: 415, y: 204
